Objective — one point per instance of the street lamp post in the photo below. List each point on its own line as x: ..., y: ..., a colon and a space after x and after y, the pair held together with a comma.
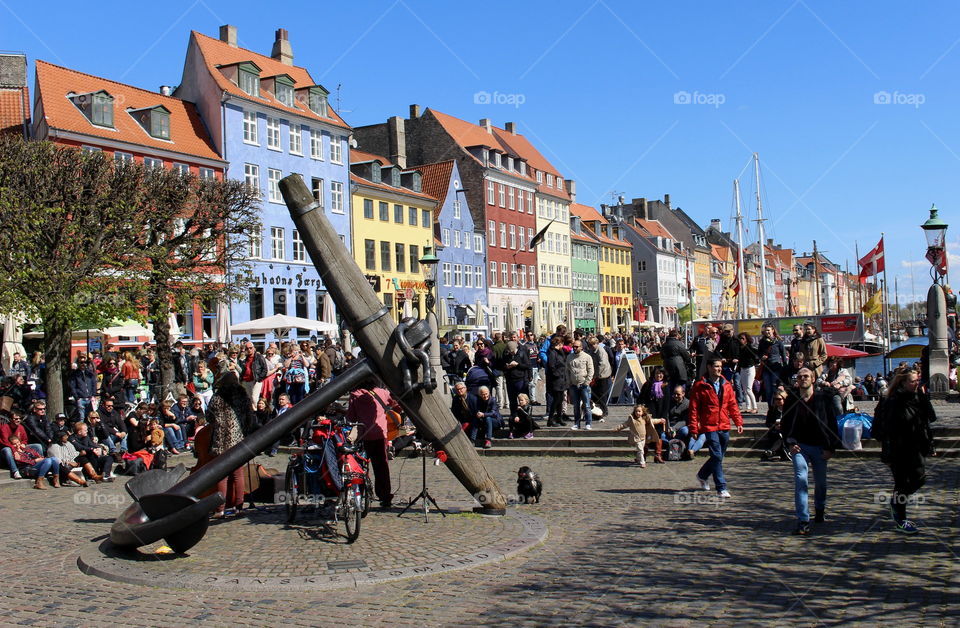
x: 938, y: 355
x: 429, y: 263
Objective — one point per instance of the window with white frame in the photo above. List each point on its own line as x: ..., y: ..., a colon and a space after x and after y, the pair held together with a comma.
x: 276, y: 243
x: 533, y: 279
x: 249, y: 82
x: 523, y: 238
x: 412, y: 216
x: 273, y: 133
x: 539, y: 176
x: 543, y: 274
x: 152, y: 162
x: 91, y: 149
x: 251, y: 176
x: 456, y: 239
x: 501, y: 195
x: 181, y: 169
x: 250, y: 127
x: 520, y: 201
x: 317, y: 187
x: 503, y: 235
x: 477, y: 243
x: 529, y: 202
x: 510, y: 204
x: 468, y: 276
x: 492, y: 227
x: 256, y: 244
x: 299, y: 251
x: 513, y: 275
x: 336, y: 197
x: 559, y: 183
x: 549, y: 180
x: 493, y: 274
x: 513, y: 237
x: 490, y: 197
x: 478, y: 276
x: 296, y: 139
x: 207, y: 173
x: 457, y: 275
x: 273, y: 185
x: 496, y: 160
x: 523, y: 275
x: 446, y: 237
x: 316, y: 144
x: 456, y: 210
x: 336, y: 150
x: 504, y: 274
x: 447, y: 276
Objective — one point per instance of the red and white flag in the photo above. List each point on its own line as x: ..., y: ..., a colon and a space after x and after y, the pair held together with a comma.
x: 735, y: 284
x: 872, y: 263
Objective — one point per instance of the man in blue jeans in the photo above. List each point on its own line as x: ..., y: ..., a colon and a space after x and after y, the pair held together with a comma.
x: 713, y: 404
x: 579, y: 375
x: 809, y: 428
x: 678, y: 418
x: 484, y: 413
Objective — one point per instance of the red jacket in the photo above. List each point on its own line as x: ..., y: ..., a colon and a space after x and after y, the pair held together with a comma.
x: 707, y: 413
x: 7, y: 430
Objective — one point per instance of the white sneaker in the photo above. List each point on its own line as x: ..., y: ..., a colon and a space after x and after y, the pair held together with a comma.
x: 17, y: 476
x: 703, y: 485
x: 574, y: 427
x: 588, y: 427
x: 724, y: 493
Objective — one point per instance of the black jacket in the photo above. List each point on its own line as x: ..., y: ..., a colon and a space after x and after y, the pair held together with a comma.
x: 728, y: 347
x: 457, y: 363
x: 774, y: 351
x: 84, y: 446
x: 556, y: 370
x: 811, y: 424
x: 39, y: 429
x: 675, y: 358
x: 112, y: 421
x: 112, y: 385
x: 461, y: 409
x: 902, y: 423
x: 520, y: 372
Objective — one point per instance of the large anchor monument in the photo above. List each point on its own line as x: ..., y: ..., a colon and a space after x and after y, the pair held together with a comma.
x: 167, y: 505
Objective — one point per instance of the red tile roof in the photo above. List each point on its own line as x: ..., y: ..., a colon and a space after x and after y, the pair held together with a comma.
x: 14, y: 110
x: 389, y: 188
x: 436, y: 179
x: 584, y: 238
x: 218, y: 53
x: 188, y: 135
x: 655, y: 228
x: 719, y: 252
x: 359, y: 157
x: 589, y: 215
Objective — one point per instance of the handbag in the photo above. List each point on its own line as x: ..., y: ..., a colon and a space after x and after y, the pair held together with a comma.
x: 394, y: 418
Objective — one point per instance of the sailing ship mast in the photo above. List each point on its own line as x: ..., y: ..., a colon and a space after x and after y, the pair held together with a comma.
x: 741, y: 310
x: 763, y: 257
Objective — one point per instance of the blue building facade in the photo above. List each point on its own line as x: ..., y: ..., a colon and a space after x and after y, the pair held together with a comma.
x: 461, y: 279
x: 269, y: 119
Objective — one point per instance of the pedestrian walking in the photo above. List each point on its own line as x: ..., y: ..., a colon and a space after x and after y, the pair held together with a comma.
x: 580, y: 374
x: 902, y: 425
x: 713, y: 407
x: 809, y: 428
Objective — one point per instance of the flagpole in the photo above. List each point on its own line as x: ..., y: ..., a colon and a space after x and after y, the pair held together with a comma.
x: 886, y: 312
x: 856, y: 251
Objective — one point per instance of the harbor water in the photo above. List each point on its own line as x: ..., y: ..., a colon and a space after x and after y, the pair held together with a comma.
x: 874, y: 363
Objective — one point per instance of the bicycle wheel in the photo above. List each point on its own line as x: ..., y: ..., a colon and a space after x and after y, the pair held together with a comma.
x: 292, y: 491
x: 350, y: 510
x: 366, y: 498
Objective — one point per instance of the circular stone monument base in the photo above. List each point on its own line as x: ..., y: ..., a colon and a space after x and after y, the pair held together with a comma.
x: 261, y: 552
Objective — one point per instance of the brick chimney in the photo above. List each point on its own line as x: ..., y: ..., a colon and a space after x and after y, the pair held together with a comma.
x: 715, y: 225
x: 397, y: 138
x: 570, y: 184
x: 511, y: 128
x: 228, y: 34
x: 666, y: 200
x: 414, y: 111
x: 282, y: 51
x: 485, y: 123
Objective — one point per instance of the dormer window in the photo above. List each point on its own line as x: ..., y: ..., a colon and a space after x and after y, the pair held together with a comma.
x: 375, y: 172
x: 318, y: 101
x: 496, y: 160
x: 559, y: 183
x: 283, y: 89
x: 155, y: 121
x: 96, y: 106
x: 539, y: 176
x: 249, y: 79
x: 523, y: 168
x: 510, y: 164
x: 549, y: 180
x: 395, y: 177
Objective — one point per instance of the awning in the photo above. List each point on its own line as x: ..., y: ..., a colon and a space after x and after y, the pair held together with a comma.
x: 837, y: 351
x: 906, y: 352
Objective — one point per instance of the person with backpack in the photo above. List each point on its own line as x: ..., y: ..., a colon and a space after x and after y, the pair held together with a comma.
x: 902, y: 424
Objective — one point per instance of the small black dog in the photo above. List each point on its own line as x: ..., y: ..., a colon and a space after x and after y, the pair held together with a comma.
x: 529, y: 485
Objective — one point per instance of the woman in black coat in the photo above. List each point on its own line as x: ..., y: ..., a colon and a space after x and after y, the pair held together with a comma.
x: 516, y: 369
x: 655, y: 394
x: 556, y: 380
x: 902, y: 424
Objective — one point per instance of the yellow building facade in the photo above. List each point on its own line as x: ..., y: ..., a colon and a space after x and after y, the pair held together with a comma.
x: 391, y: 224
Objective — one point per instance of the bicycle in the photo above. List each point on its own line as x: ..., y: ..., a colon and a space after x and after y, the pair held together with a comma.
x: 309, y: 480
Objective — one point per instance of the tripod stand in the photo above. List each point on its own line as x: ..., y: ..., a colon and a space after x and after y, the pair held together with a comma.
x: 424, y: 493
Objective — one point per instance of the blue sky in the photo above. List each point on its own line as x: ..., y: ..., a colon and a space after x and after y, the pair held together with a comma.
x: 851, y: 106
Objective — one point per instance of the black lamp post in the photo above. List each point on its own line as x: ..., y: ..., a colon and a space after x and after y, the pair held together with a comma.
x: 935, y: 230
x: 938, y: 358
x: 429, y: 263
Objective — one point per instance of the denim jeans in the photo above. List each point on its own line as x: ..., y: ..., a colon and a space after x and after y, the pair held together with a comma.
x: 83, y: 407
x: 809, y: 456
x: 734, y: 378
x: 489, y: 424
x: 771, y: 378
x: 717, y: 445
x: 580, y: 398
x: 45, y: 466
x: 693, y: 444
x: 8, y: 460
x: 130, y: 390
x: 174, y: 438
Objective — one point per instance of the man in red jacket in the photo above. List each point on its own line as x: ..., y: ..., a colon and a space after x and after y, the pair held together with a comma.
x: 713, y: 403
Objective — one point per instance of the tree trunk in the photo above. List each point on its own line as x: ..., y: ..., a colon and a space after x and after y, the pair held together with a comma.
x: 57, y: 350
x: 160, y: 312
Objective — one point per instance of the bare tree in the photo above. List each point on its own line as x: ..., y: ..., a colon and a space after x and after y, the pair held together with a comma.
x: 68, y: 218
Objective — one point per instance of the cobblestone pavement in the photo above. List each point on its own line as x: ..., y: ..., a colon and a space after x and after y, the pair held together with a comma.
x: 625, y: 545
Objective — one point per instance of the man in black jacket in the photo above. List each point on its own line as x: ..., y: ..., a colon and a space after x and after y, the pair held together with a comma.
x: 38, y: 426
x: 729, y: 350
x: 112, y: 423
x: 456, y: 362
x: 809, y: 428
x: 516, y: 370
x: 94, y: 461
x: 675, y: 358
x: 181, y: 371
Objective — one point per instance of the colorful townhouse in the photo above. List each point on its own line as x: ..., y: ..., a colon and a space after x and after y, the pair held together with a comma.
x: 268, y: 118
x: 393, y: 223
x: 500, y: 185
x: 130, y: 124
x: 614, y: 264
x: 585, y: 274
x: 463, y: 252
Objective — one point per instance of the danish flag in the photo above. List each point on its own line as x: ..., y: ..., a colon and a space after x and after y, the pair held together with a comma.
x: 872, y: 262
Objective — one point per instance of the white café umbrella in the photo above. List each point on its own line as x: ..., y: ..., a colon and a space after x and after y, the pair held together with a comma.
x: 479, y: 314
x: 175, y: 332
x: 281, y: 324
x: 223, y: 323
x: 12, y: 340
x: 408, y: 308
x: 129, y: 327
x: 509, y: 322
x: 551, y: 319
x: 329, y: 310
